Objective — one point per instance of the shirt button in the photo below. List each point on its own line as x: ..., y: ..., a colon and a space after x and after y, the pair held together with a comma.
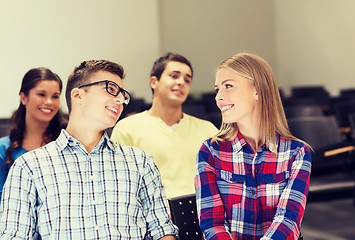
x: 255, y: 171
x: 253, y: 192
x: 92, y: 177
x: 252, y: 216
x: 96, y: 227
x: 94, y: 202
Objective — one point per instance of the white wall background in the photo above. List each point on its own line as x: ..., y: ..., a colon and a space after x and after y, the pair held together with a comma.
x: 209, y: 31
x: 315, y: 41
x: 61, y: 34
x: 307, y: 42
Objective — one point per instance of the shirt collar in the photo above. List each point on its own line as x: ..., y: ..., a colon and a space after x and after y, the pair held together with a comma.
x: 65, y: 139
x: 239, y: 143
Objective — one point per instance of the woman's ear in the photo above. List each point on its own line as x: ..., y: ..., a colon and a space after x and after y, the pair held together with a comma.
x: 256, y: 96
x: 23, y: 98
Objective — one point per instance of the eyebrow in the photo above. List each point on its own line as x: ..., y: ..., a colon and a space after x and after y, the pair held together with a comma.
x: 224, y: 81
x: 43, y: 90
x: 188, y: 75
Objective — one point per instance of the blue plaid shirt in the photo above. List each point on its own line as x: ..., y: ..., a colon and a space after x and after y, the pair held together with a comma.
x: 61, y: 191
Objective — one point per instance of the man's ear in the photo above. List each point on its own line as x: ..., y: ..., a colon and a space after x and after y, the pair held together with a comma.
x: 76, y: 95
x: 153, y: 82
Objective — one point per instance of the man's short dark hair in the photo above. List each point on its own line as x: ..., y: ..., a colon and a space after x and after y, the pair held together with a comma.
x: 160, y: 64
x: 81, y: 74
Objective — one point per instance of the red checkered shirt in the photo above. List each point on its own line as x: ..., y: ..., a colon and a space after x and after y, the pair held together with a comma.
x: 243, y: 194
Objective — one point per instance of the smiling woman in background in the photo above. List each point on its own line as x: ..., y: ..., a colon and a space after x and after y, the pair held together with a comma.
x: 252, y: 178
x: 36, y: 122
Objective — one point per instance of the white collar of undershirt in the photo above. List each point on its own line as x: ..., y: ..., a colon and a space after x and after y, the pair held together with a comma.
x: 174, y: 127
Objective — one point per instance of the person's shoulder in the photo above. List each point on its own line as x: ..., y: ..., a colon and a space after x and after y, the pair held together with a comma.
x: 214, y: 145
x: 200, y: 126
x: 40, y: 158
x: 287, y: 144
x: 4, y: 145
x: 128, y: 125
x: 128, y: 150
x: 5, y: 141
x: 132, y: 154
x: 198, y: 121
x: 42, y: 153
x: 133, y: 117
x: 193, y: 118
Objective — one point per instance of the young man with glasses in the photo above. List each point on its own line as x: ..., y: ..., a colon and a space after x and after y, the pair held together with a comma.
x: 171, y: 136
x: 83, y: 185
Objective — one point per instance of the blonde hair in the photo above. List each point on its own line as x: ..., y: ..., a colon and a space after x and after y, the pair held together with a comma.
x: 271, y: 112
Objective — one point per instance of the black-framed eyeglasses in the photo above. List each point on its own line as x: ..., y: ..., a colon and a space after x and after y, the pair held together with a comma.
x: 113, y: 89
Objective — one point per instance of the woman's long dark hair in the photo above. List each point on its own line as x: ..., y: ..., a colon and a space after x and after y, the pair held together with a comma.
x: 18, y: 127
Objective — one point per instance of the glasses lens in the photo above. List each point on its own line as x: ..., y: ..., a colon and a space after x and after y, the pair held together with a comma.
x: 113, y: 88
x: 127, y: 97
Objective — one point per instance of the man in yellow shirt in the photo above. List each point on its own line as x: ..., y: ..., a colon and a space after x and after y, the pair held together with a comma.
x: 171, y: 136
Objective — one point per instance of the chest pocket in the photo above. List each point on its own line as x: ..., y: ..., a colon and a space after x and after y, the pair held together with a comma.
x: 231, y: 186
x: 272, y: 186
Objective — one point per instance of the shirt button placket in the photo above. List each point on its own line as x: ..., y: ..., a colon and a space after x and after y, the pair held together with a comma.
x: 91, y: 172
x: 254, y: 191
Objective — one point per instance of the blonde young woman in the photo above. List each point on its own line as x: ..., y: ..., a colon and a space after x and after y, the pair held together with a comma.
x: 252, y: 178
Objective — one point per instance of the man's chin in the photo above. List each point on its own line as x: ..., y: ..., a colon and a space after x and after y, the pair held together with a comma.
x: 179, y: 99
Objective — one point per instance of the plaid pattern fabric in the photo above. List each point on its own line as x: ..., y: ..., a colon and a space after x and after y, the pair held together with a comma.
x: 62, y: 192
x: 245, y: 195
